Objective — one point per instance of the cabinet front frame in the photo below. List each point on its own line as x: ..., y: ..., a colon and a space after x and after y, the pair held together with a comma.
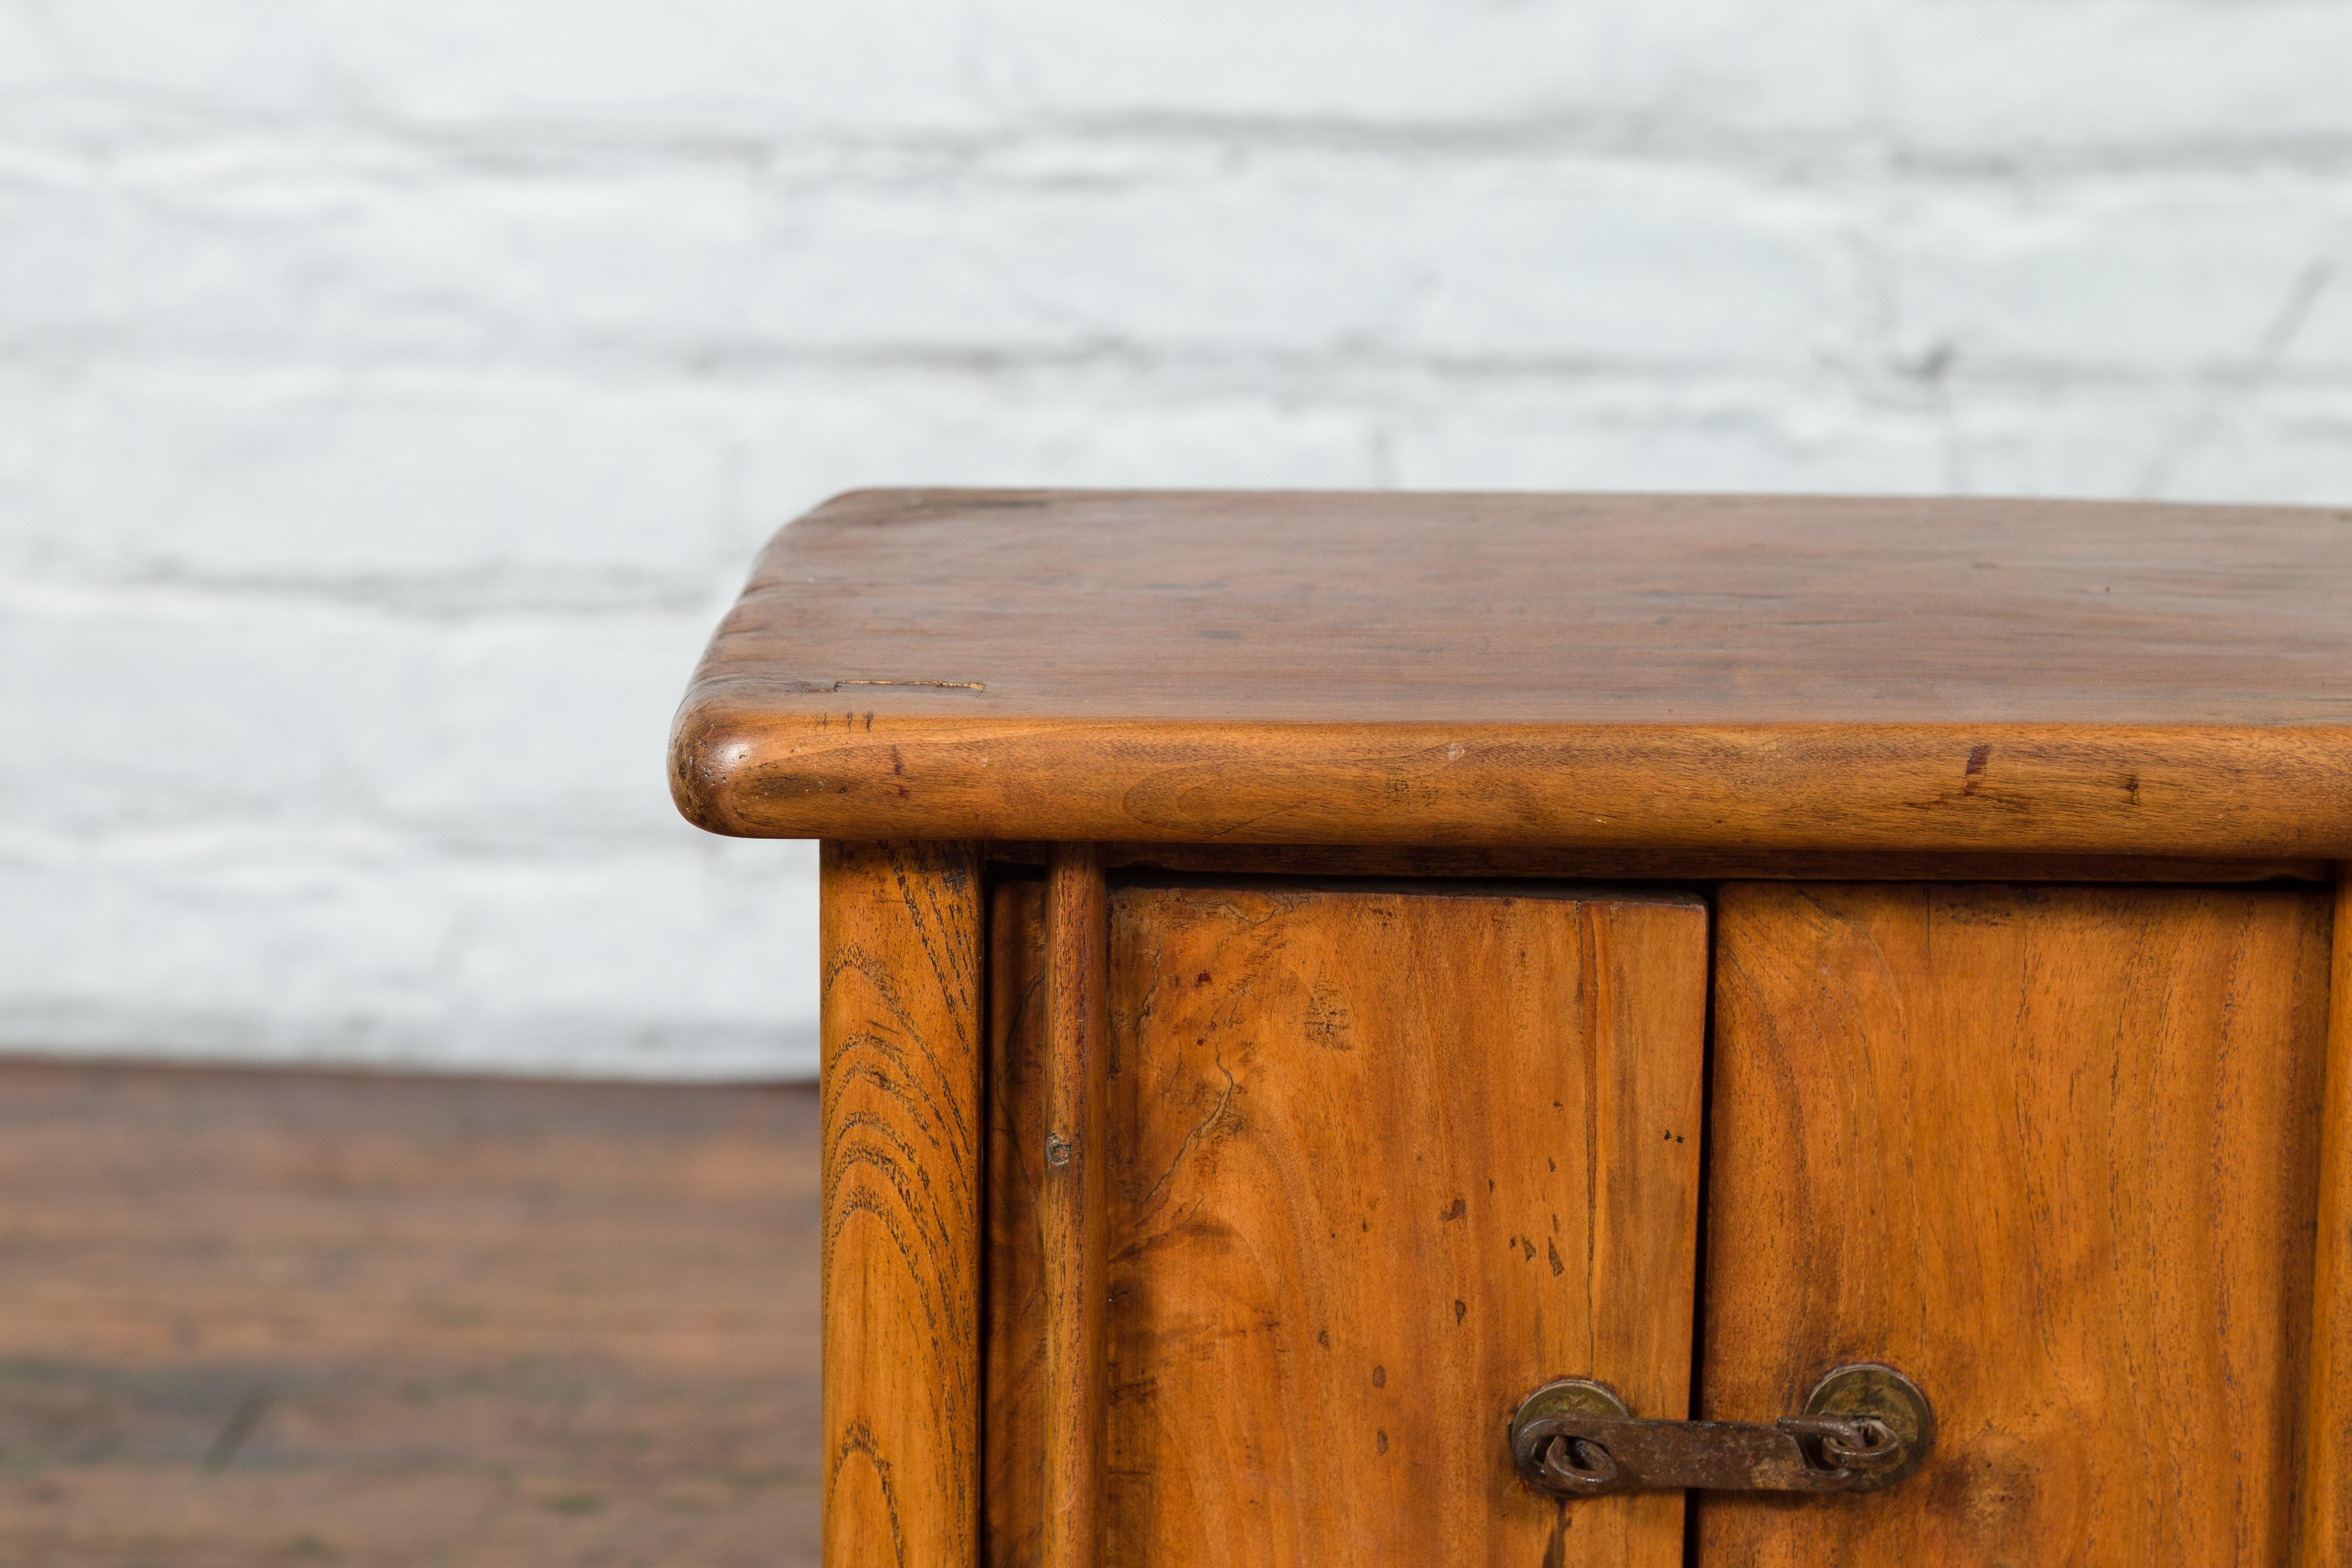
x: 904, y: 930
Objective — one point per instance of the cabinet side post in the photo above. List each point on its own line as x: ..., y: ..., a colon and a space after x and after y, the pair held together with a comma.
x: 1072, y: 1211
x: 902, y: 1129
x: 2327, y: 1431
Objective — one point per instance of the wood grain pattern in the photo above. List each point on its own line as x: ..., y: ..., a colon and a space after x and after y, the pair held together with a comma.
x: 1574, y: 609
x: 1072, y: 1214
x: 2326, y: 1524
x: 2211, y: 791
x: 1014, y: 1328
x: 1575, y: 672
x: 2054, y: 1151
x: 902, y: 1136
x: 1382, y: 1161
x: 286, y: 1320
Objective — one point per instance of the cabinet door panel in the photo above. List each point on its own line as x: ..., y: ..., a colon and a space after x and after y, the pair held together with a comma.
x: 2052, y: 1151
x: 1382, y: 1161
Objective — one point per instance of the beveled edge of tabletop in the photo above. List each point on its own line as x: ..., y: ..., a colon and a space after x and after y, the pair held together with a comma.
x: 2178, y: 790
x: 754, y: 753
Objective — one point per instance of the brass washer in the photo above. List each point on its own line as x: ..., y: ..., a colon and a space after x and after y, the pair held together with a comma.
x: 1869, y: 1388
x: 1563, y: 1396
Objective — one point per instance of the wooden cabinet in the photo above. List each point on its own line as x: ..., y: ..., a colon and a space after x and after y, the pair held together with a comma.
x: 1303, y: 973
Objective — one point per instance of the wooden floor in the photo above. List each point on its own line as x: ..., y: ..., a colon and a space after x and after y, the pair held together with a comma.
x: 299, y: 1318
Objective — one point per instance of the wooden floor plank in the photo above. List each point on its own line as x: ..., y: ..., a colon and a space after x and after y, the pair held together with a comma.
x: 255, y: 1318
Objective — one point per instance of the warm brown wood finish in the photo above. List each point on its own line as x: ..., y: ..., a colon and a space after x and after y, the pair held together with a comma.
x: 1700, y: 866
x: 902, y: 1131
x: 1071, y: 1218
x: 1542, y: 609
x: 2053, y: 1152
x: 2040, y: 788
x: 1382, y: 1159
x: 2027, y: 820
x: 1604, y: 672
x: 1014, y: 1328
x: 281, y: 1320
x: 2328, y: 1452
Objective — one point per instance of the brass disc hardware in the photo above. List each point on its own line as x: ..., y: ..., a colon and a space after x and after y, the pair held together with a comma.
x: 1864, y: 1427
x: 1572, y: 1467
x: 1885, y: 1395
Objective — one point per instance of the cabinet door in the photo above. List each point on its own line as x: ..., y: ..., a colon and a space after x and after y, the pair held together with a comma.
x: 2052, y: 1151
x: 1382, y: 1161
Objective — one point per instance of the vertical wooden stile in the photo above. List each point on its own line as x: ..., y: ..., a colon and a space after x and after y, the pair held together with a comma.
x: 1072, y: 1205
x: 902, y: 1129
x: 2327, y: 1434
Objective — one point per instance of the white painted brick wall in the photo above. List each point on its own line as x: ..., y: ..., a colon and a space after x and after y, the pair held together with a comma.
x: 392, y: 392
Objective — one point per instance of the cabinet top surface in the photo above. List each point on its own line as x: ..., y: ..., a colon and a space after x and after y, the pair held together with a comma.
x: 1544, y: 609
x: 926, y: 616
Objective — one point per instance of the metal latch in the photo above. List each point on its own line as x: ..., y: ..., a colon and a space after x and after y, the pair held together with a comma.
x: 1864, y: 1427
